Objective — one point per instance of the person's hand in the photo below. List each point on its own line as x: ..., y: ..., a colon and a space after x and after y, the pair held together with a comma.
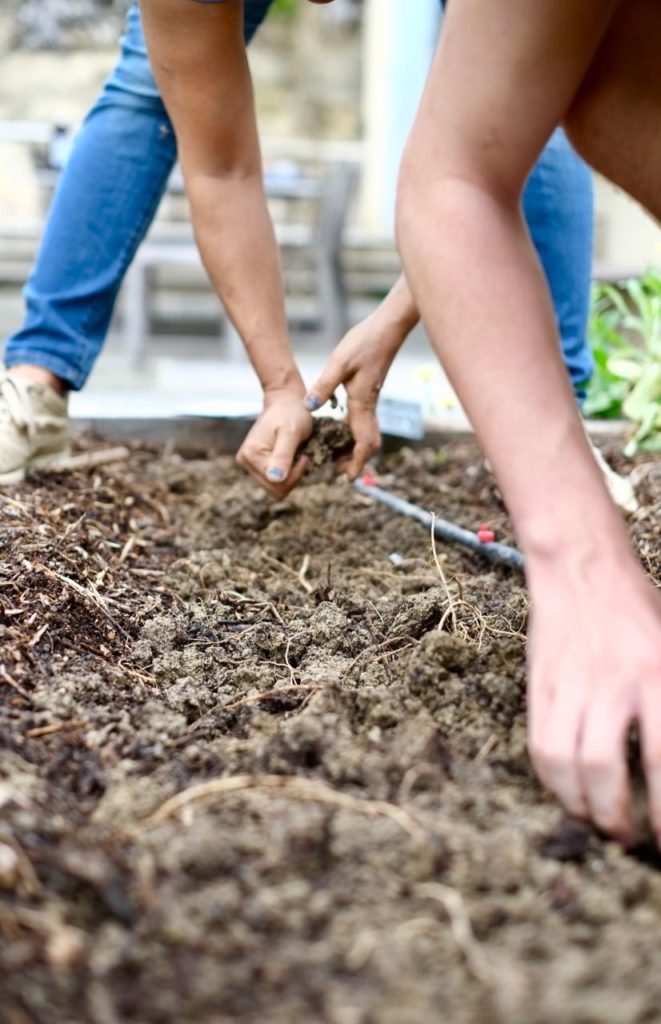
x: 269, y: 451
x: 594, y: 669
x: 360, y: 362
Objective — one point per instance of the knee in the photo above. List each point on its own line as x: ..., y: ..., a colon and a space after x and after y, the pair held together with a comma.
x: 448, y: 208
x: 425, y: 196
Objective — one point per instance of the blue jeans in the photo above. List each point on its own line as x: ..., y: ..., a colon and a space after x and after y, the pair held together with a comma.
x: 558, y: 204
x: 559, y: 209
x: 111, y: 187
x: 105, y: 201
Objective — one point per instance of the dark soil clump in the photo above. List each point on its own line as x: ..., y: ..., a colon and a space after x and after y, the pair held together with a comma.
x: 331, y: 441
x: 254, y: 769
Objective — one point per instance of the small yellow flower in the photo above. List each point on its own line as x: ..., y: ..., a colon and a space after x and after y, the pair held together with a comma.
x: 426, y: 371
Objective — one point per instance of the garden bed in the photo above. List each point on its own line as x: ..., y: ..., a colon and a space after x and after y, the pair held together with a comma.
x: 245, y: 777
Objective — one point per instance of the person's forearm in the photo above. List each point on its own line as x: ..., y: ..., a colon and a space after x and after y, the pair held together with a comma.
x: 198, y: 56
x: 493, y: 326
x: 398, y: 313
x: 594, y: 650
x: 238, y: 247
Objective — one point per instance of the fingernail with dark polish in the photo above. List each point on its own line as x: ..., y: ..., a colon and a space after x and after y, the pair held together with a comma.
x: 273, y: 473
x: 311, y: 402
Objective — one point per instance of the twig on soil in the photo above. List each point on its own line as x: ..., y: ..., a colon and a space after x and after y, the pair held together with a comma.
x: 302, y: 573
x: 515, y: 634
x: 292, y: 671
x: 49, y: 730
x: 4, y: 675
x: 406, y: 641
x: 143, y: 677
x: 63, y: 943
x: 270, y: 607
x: 89, y: 460
x: 464, y: 632
x: 101, y: 1004
x: 14, y: 503
x: 480, y: 624
x: 486, y: 748
x: 74, y: 526
x: 290, y: 786
x: 388, y: 654
x: 450, y: 611
x: 38, y: 635
x: 462, y: 929
x: 266, y: 606
x: 413, y: 775
x: 127, y: 549
x: 159, y: 507
x: 89, y: 592
x: 23, y: 872
x: 292, y: 572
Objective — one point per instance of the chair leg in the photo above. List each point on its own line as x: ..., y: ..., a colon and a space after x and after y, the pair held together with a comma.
x: 135, y: 314
x: 234, y: 348
x: 333, y: 299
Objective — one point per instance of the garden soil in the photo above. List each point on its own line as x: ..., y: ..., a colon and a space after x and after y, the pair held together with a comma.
x: 265, y: 761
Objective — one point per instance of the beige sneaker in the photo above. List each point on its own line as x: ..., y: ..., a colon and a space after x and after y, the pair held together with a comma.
x: 620, y: 487
x: 33, y: 428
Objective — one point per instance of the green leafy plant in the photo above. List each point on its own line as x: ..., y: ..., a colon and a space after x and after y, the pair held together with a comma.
x: 625, y: 334
x: 285, y: 7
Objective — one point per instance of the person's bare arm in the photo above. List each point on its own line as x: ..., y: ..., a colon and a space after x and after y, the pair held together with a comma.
x: 198, y: 57
x: 504, y: 76
x: 361, y: 362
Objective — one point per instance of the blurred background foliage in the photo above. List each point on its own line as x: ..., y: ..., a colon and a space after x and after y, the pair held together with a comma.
x: 625, y: 334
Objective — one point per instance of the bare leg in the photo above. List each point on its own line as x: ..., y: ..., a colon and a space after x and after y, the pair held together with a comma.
x: 615, y: 119
x: 504, y: 75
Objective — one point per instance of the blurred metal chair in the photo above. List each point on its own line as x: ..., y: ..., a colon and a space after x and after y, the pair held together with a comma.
x: 319, y: 240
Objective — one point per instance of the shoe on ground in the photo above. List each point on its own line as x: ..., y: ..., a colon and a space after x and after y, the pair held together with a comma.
x: 34, y: 428
x: 620, y: 487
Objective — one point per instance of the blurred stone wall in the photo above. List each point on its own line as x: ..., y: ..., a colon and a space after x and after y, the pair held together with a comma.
x: 63, y: 24
x: 307, y: 72
x: 55, y: 55
x: 306, y: 64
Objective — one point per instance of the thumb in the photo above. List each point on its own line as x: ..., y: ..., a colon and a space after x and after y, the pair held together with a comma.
x: 281, y: 458
x: 325, y: 385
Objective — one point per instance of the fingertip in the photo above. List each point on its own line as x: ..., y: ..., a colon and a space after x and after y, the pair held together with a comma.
x: 622, y: 830
x: 275, y: 474
x: 312, y: 402
x: 358, y: 465
x: 343, y: 473
x: 629, y: 840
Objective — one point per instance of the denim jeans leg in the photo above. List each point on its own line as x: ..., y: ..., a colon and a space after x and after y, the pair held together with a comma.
x: 102, y: 208
x: 558, y: 206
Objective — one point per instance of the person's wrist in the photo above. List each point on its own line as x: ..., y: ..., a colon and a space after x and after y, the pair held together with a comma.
x: 577, y: 548
x: 288, y: 384
x: 391, y: 331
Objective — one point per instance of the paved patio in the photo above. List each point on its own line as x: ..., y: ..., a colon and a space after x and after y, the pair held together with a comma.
x: 194, y: 375
x: 191, y: 376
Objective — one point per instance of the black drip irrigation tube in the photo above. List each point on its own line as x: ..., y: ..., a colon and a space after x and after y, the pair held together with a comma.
x: 444, y: 530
